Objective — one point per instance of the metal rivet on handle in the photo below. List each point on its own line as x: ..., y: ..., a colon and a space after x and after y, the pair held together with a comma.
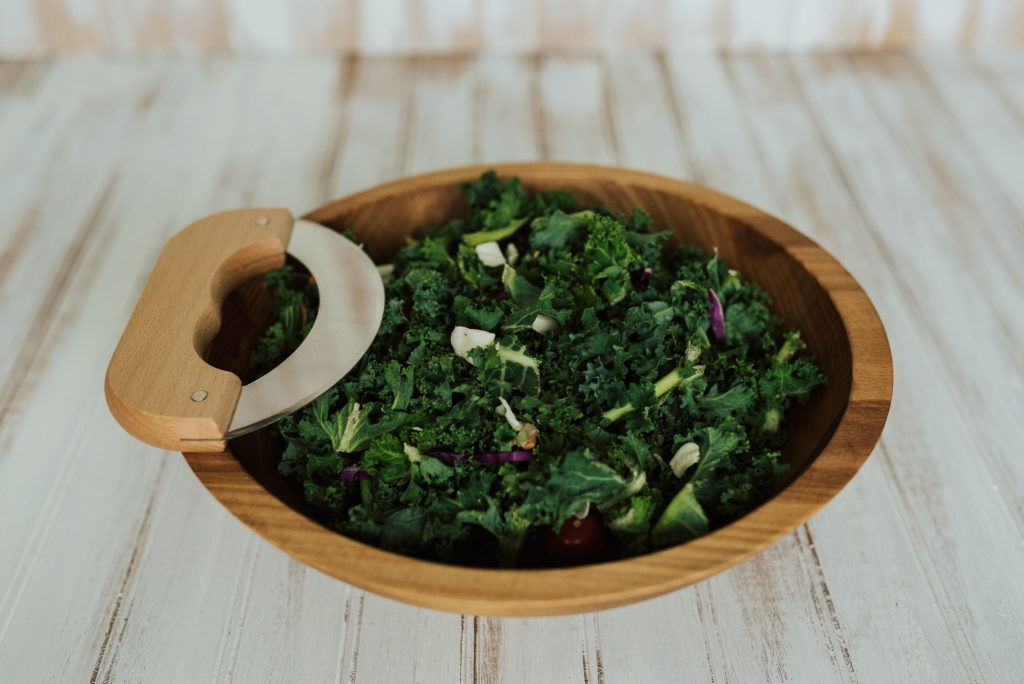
x: 262, y: 221
x: 199, y: 395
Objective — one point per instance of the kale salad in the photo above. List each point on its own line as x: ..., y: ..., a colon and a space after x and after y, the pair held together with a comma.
x: 550, y: 385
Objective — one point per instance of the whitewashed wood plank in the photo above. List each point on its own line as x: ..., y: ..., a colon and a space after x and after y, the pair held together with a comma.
x: 960, y: 185
x: 934, y: 213
x: 984, y: 115
x: 645, y: 116
x: 656, y: 641
x: 199, y: 132
x: 505, y: 111
x: 19, y: 81
x: 920, y: 584
x: 508, y: 27
x: 791, y: 153
x: 295, y: 623
x: 440, y: 127
x: 55, y: 253
x: 988, y: 228
x: 280, y: 157
x: 714, y: 129
x: 37, y: 117
x: 21, y: 32
x: 54, y: 203
x: 376, y: 106
x: 573, y: 111
x: 532, y: 650
x: 937, y: 468
x: 267, y: 26
x: 397, y: 642
x: 271, y: 586
x: 87, y: 459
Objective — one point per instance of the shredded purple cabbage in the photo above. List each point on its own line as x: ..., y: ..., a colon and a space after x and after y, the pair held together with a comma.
x: 717, y: 317
x: 504, y: 456
x: 643, y: 277
x: 488, y: 458
x: 353, y: 473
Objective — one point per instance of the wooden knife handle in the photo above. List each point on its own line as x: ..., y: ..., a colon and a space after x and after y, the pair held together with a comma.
x: 158, y: 386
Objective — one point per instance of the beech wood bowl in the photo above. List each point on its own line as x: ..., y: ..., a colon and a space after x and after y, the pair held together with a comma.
x: 829, y: 438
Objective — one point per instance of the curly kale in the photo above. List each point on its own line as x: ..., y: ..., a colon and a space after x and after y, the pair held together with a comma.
x: 593, y: 348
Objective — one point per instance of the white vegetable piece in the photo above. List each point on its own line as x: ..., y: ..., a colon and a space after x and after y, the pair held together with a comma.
x: 490, y: 254
x: 685, y: 456
x: 544, y: 324
x: 507, y: 274
x: 412, y: 453
x: 505, y: 410
x: 582, y: 510
x: 692, y: 351
x: 464, y: 339
x: 511, y: 253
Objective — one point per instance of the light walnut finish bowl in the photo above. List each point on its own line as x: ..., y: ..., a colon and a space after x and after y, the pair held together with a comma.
x: 829, y: 438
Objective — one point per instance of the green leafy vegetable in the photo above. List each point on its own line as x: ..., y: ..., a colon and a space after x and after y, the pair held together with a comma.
x: 683, y: 519
x: 592, y: 344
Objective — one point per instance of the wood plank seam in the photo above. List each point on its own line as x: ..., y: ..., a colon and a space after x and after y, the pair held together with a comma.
x: 676, y: 113
x: 227, y: 648
x: 142, y: 540
x: 537, y: 107
x: 608, y: 100
x: 930, y: 567
x: 710, y: 630
x: 832, y: 626
x: 351, y: 652
x: 44, y: 522
x: 350, y: 65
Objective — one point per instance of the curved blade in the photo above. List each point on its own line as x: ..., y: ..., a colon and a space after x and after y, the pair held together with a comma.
x: 351, y: 309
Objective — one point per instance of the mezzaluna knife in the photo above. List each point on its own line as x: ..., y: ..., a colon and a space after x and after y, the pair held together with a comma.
x: 158, y: 386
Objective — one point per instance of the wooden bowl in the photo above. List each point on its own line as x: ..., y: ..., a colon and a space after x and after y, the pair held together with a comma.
x: 829, y: 438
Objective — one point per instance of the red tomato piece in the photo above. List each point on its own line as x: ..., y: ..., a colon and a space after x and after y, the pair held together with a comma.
x: 580, y: 541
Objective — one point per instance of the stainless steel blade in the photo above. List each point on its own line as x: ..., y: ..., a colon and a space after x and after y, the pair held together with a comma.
x: 351, y: 309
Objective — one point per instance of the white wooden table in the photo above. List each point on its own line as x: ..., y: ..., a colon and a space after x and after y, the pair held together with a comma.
x: 115, y: 563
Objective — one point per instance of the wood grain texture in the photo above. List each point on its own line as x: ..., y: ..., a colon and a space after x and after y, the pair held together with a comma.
x: 119, y: 566
x: 403, y: 27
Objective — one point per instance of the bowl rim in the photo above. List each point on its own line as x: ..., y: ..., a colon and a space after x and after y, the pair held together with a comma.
x: 536, y: 592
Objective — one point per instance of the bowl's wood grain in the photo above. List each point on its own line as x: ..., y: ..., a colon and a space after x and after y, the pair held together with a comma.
x: 829, y: 439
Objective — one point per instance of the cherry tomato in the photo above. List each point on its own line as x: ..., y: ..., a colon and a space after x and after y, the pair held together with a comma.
x: 579, y: 541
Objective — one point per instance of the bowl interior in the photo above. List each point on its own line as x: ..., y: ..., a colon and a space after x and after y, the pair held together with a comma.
x: 755, y: 244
